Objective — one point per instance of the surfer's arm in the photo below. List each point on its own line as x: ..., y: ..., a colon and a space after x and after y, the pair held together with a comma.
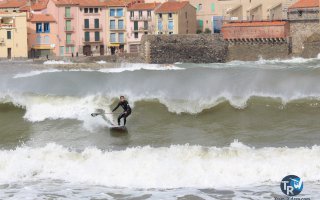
x: 116, y: 107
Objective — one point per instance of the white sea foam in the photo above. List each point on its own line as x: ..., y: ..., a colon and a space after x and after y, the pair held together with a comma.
x: 35, y: 73
x: 139, y: 66
x: 167, y: 167
x: 57, y: 62
x: 101, y: 62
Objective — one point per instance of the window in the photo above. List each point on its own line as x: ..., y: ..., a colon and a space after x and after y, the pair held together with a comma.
x: 46, y: 27
x: 39, y: 27
x: 68, y: 38
x: 145, y: 25
x: 170, y: 15
x: 96, y: 10
x: 90, y: 10
x: 68, y: 13
x: 131, y: 14
x: 135, y: 25
x: 68, y: 25
x: 96, y: 23
x: 72, y: 49
x: 39, y: 39
x: 112, y: 12
x: 87, y: 36
x: 86, y: 23
x: 186, y: 14
x: 112, y: 24
x: 121, y: 37
x: 86, y: 10
x: 170, y: 25
x: 113, y: 37
x: 300, y: 13
x: 140, y: 13
x: 212, y: 7
x: 199, y: 7
x: 160, y: 15
x: 146, y: 33
x: 97, y: 36
x: 67, y: 49
x: 149, y: 13
x: 200, y: 23
x: 120, y: 24
x: 136, y: 35
x: 160, y: 25
x: 119, y: 12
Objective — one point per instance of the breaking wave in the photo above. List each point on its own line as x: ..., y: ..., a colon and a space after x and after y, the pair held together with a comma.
x: 176, y: 166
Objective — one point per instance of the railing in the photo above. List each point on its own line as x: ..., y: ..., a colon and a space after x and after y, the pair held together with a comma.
x: 7, y: 25
x: 92, y: 41
x: 114, y: 28
x: 92, y: 27
x: 141, y: 18
x: 69, y: 29
x: 70, y: 43
x: 68, y: 16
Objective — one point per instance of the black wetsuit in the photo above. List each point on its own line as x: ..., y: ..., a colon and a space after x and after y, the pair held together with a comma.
x: 126, y: 111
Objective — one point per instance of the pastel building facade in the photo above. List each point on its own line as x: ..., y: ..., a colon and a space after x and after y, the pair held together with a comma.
x: 140, y: 21
x: 80, y: 27
x: 13, y: 35
x: 176, y: 18
x: 116, y: 23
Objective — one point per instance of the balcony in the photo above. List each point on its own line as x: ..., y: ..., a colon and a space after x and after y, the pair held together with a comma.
x: 70, y: 43
x: 90, y: 41
x: 141, y: 18
x: 119, y: 28
x: 43, y: 46
x: 70, y: 16
x: 69, y: 29
x: 7, y: 26
x: 92, y: 27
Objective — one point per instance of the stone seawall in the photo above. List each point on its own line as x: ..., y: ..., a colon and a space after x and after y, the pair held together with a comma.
x: 255, y: 50
x: 209, y: 48
x: 199, y: 48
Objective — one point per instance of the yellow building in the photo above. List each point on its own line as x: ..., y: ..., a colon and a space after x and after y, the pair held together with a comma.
x: 176, y: 18
x: 13, y: 35
x: 116, y: 27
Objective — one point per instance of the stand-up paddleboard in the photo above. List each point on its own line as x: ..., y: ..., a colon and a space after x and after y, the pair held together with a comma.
x: 113, y: 127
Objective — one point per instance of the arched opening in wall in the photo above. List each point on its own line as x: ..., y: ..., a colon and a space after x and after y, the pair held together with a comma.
x: 38, y: 39
x: 46, y: 39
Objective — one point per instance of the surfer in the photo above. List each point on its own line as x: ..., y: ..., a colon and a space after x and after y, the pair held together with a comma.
x: 126, y: 110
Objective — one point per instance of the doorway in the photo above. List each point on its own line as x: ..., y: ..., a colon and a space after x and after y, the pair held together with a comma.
x: 9, y: 53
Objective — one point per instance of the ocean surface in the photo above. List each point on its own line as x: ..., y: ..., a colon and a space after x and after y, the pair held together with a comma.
x: 197, y: 131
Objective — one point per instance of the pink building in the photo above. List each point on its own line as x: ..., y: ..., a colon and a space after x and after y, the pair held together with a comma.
x: 140, y: 21
x: 81, y: 26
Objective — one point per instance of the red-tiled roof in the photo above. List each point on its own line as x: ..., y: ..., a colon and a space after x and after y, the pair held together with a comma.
x: 39, y: 5
x: 171, y: 6
x: 115, y: 3
x: 91, y: 3
x: 42, y: 18
x: 144, y: 6
x: 66, y: 2
x: 261, y: 23
x: 305, y: 4
x: 13, y: 4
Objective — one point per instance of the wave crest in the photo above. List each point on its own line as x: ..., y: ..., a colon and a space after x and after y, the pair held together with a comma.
x: 166, y: 167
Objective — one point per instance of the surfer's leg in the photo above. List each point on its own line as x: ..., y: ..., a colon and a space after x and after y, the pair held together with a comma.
x: 119, y: 118
x: 125, y: 117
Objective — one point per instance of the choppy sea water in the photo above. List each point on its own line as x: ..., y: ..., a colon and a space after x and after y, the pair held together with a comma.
x: 197, y: 131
